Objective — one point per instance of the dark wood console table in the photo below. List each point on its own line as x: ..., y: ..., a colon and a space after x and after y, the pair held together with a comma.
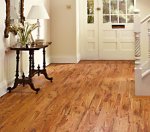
x: 32, y: 71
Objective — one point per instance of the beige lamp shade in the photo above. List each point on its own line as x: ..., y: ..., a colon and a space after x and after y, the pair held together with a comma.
x: 38, y: 12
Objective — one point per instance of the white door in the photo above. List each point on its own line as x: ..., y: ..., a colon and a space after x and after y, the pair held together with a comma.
x: 89, y: 22
x: 109, y: 30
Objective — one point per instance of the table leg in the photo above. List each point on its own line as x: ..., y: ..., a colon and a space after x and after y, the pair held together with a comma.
x: 44, y: 67
x: 33, y: 88
x: 17, y: 72
x: 30, y: 63
x: 31, y: 59
x: 44, y: 61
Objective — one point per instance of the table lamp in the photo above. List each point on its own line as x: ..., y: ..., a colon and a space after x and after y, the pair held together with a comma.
x: 38, y: 12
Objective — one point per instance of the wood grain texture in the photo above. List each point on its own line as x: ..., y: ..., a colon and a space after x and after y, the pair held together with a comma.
x: 92, y: 96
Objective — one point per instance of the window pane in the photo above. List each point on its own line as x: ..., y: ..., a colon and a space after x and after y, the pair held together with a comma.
x: 114, y: 18
x: 122, y: 19
x: 105, y: 6
x: 118, y: 11
x: 130, y: 19
x: 90, y: 7
x: 90, y: 11
x: 122, y: 7
x: 114, y: 9
x: 130, y: 6
x: 90, y: 19
x: 106, y: 19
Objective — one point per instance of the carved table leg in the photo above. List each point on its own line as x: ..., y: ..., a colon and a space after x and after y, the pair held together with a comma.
x: 31, y: 65
x: 17, y: 73
x: 46, y: 75
x: 15, y: 85
x: 33, y: 88
x: 44, y: 68
x: 32, y: 61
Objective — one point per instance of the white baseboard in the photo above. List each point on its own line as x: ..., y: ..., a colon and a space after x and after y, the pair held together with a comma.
x: 64, y: 59
x: 3, y: 88
x: 78, y: 58
x: 4, y: 85
x: 48, y: 60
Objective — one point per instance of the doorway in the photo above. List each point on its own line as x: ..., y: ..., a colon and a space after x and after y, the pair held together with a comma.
x: 108, y: 30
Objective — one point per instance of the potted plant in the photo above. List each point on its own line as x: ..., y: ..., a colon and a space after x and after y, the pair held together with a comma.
x: 23, y: 31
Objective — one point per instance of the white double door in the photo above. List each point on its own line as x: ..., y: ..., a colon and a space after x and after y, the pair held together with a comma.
x: 107, y: 40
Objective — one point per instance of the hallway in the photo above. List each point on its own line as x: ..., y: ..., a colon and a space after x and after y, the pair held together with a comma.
x: 91, y: 96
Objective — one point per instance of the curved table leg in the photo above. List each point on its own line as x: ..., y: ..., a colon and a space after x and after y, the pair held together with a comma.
x: 33, y: 88
x: 44, y: 67
x: 46, y: 75
x: 11, y: 88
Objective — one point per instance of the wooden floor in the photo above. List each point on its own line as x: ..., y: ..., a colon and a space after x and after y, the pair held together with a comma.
x: 92, y: 96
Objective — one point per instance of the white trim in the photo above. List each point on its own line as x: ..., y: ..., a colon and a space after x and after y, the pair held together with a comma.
x: 4, y: 85
x: 78, y: 58
x: 137, y: 58
x: 3, y: 88
x: 145, y: 73
x: 145, y: 19
x: 137, y: 62
x: 145, y: 64
x: 64, y: 59
x: 48, y: 60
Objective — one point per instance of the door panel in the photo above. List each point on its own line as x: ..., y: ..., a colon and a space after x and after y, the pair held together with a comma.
x: 117, y: 45
x: 91, y: 45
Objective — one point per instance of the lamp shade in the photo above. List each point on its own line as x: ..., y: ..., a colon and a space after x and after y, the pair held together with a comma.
x: 38, y: 12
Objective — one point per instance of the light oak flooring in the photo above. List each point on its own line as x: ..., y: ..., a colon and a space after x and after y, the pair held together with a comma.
x: 92, y: 96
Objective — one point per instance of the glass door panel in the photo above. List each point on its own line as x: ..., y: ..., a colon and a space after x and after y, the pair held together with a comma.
x: 118, y: 11
x: 90, y: 11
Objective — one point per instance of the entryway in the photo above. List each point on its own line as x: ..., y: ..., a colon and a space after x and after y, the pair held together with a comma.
x: 107, y: 29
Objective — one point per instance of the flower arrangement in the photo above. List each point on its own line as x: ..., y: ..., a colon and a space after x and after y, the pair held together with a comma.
x: 23, y: 31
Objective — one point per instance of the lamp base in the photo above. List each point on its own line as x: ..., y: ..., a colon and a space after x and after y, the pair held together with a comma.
x: 38, y: 30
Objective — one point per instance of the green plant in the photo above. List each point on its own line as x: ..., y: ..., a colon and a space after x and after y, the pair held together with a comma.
x: 23, y: 31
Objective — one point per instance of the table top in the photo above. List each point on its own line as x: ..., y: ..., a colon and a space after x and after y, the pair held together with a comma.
x: 30, y: 47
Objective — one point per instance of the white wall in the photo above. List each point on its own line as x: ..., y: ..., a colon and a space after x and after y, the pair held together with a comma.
x: 47, y: 30
x: 63, y: 31
x: 7, y: 60
x: 143, y: 5
x: 78, y: 30
x: 83, y: 27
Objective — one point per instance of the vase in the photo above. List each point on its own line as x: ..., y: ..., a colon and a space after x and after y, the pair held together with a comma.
x: 23, y: 40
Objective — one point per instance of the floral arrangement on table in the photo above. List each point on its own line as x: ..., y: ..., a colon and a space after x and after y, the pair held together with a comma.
x: 23, y: 31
